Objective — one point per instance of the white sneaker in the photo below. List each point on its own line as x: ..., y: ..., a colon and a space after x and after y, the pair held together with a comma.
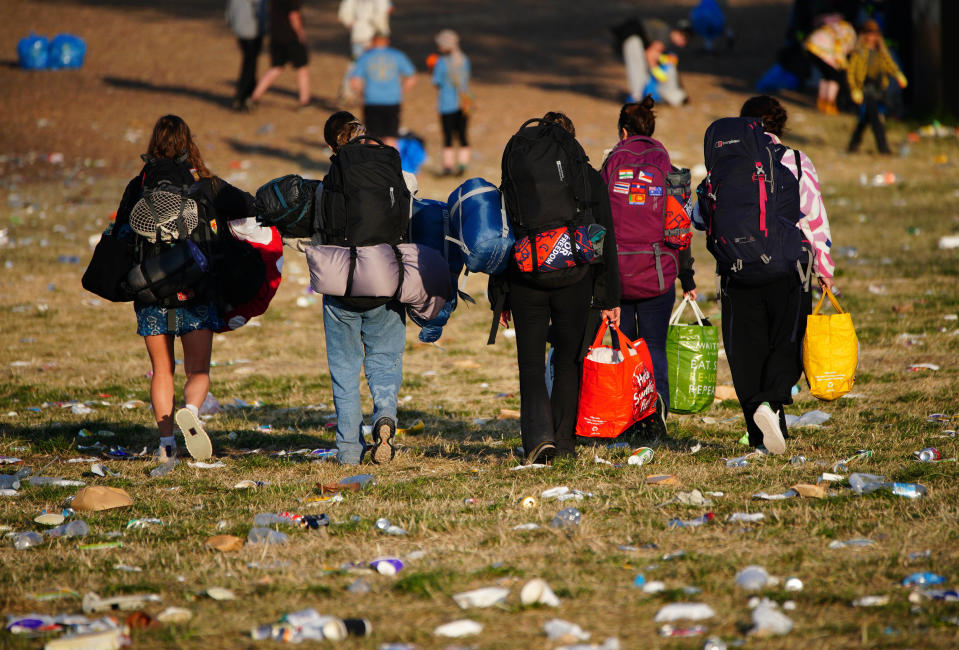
x: 768, y: 422
x: 194, y: 435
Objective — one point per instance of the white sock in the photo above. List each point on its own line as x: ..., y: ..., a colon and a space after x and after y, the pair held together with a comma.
x: 168, y: 441
x: 195, y: 410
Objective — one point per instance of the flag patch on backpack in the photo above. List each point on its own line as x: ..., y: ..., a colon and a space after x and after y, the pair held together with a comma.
x: 637, y: 194
x: 624, y: 174
x: 621, y: 188
x: 643, y: 177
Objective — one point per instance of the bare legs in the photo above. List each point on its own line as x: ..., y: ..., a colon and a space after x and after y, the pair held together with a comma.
x: 197, y: 348
x: 302, y: 84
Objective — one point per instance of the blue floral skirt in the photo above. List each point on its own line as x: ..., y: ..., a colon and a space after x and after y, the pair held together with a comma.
x: 153, y: 319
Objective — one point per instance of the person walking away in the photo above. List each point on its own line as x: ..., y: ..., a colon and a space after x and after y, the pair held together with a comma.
x: 764, y: 304
x: 247, y: 19
x: 635, y: 174
x: 571, y: 194
x: 287, y: 45
x: 451, y: 75
x: 830, y: 45
x: 364, y: 18
x: 173, y: 162
x: 382, y: 75
x: 870, y: 66
x: 362, y: 331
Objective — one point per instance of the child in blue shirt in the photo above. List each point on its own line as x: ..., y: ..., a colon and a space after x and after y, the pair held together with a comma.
x: 451, y: 75
x: 382, y: 74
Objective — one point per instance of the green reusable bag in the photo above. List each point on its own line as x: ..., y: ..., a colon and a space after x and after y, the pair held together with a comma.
x: 692, y: 352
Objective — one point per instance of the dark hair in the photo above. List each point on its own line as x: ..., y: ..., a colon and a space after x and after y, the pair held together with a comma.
x: 769, y: 110
x: 172, y: 139
x: 638, y: 118
x: 340, y: 128
x: 562, y: 119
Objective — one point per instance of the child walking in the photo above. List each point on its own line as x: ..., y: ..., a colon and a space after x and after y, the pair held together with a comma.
x: 870, y: 67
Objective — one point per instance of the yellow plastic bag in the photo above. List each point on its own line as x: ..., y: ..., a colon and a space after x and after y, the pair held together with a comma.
x: 830, y: 351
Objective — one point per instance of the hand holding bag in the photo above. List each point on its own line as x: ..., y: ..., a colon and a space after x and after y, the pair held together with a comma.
x: 692, y: 352
x: 617, y: 387
x: 830, y: 351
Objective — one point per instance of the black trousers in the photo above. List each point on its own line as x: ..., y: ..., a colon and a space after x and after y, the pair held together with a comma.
x: 763, y: 328
x: 870, y: 115
x: 250, y: 51
x: 541, y: 417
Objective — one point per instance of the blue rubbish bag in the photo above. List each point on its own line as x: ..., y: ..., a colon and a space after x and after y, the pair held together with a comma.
x: 777, y: 78
x: 412, y: 152
x: 66, y: 51
x: 32, y: 52
x: 708, y: 20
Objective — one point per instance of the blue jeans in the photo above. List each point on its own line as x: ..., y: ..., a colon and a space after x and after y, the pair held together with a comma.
x: 649, y: 319
x: 373, y: 339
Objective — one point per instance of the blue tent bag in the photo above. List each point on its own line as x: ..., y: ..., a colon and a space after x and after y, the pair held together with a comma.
x: 66, y: 51
x: 480, y: 226
x: 432, y: 330
x: 32, y: 52
x: 430, y: 225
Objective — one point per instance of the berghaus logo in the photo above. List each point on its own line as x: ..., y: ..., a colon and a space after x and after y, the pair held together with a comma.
x: 720, y: 143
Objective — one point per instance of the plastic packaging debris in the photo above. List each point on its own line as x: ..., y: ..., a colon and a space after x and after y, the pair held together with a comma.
x: 259, y: 535
x: 92, y: 603
x: 224, y: 543
x: 55, y: 595
x: 100, y: 546
x: 163, y: 469
x: 752, y: 578
x: 384, y: 526
x: 691, y: 498
x: 353, y: 483
x: 639, y: 580
x: 127, y: 568
x: 684, y: 611
x: 923, y: 578
x: 852, y: 543
x: 747, y: 517
x: 559, y: 630
x: 765, y: 496
x: 866, y: 483
x: 916, y: 367
x: 387, y: 566
x: 54, y: 481
x: 520, y: 468
x: 220, y: 593
x: 769, y: 621
x: 483, y: 597
x: 566, y: 518
x: 871, y: 601
x: 76, y: 528
x: 811, y: 419
x: 201, y: 465
x: 641, y: 456
x: 714, y: 643
x: 144, y: 522
x: 528, y: 526
x: 102, y: 640
x: 843, y: 465
x: 611, y: 643
x: 271, y: 519
x: 9, y: 481
x: 101, y: 497
x: 662, y: 479
x: 553, y: 493
x: 102, y: 470
x: 794, y: 584
x: 828, y: 477
x: 950, y: 241
x: 308, y: 624
x: 248, y: 484
x: 359, y: 586
x: 458, y: 629
x: 809, y: 491
x: 690, y: 523
x: 654, y: 587
x: 682, y: 632
x: 25, y: 540
x: 538, y: 592
x: 49, y: 519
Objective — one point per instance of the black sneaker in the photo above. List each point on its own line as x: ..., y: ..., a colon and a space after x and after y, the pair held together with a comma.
x: 384, y: 432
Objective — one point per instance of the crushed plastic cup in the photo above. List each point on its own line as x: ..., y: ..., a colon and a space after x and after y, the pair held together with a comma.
x: 163, y: 469
x: 746, y: 517
x: 260, y: 535
x: 566, y: 518
x: 752, y: 578
x: 76, y: 528
x: 558, y: 629
x: 387, y: 566
x: 684, y: 611
x: 482, y: 597
x: 458, y: 629
x: 641, y: 456
x: 26, y: 540
x: 538, y: 592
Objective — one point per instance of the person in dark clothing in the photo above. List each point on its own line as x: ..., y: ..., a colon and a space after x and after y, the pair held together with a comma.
x: 548, y: 422
x: 869, y: 70
x: 246, y: 18
x: 647, y: 317
x: 287, y: 45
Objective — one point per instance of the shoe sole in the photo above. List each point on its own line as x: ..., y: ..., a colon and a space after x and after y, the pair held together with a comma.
x: 768, y: 423
x: 197, y: 441
x: 538, y: 452
x: 383, y: 449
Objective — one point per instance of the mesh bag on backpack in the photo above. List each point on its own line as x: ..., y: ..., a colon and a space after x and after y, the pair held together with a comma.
x: 166, y: 212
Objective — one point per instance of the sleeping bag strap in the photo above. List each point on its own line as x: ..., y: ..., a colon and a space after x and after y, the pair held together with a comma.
x: 534, y: 257
x: 497, y: 312
x: 171, y: 320
x: 349, y: 275
x: 401, y: 271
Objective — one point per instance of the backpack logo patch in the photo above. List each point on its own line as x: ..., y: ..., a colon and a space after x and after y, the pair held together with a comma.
x: 559, y: 168
x: 720, y: 143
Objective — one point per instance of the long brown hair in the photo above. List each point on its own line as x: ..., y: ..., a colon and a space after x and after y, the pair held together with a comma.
x: 172, y: 139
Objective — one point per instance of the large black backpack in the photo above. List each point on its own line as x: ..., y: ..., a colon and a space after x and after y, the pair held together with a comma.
x: 752, y: 203
x: 365, y: 202
x: 546, y: 186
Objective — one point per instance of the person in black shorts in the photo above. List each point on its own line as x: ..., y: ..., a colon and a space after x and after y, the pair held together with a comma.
x: 451, y: 74
x: 382, y: 121
x: 382, y: 75
x: 287, y: 45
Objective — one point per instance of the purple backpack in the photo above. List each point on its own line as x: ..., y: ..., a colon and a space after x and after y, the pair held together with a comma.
x: 635, y: 174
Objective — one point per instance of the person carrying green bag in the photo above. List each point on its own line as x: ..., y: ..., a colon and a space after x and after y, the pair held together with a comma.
x: 692, y: 352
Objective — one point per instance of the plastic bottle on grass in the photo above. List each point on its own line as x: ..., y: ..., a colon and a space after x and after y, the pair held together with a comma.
x: 26, y: 540
x: 260, y: 535
x: 76, y: 528
x: 566, y: 517
x: 866, y: 483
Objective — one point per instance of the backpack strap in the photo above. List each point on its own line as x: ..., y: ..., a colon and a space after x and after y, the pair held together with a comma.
x: 401, y: 270
x: 349, y: 275
x: 798, y: 164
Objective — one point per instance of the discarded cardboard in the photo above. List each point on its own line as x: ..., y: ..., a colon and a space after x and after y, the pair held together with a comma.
x: 225, y: 543
x: 101, y: 497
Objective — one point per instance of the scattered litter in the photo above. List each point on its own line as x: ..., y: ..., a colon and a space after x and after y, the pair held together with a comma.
x: 529, y: 526
x: 828, y: 477
x: 92, y: 603
x: 224, y: 543
x: 102, y: 470
x: 691, y: 498
x: 201, y: 465
x: 127, y: 568
x: 851, y: 543
x: 769, y: 621
x: 691, y: 523
x: 809, y: 491
x: 811, y: 419
x: 144, y: 522
x: 384, y: 526
x: 258, y: 535
x: 923, y: 578
x: 682, y: 632
x: 101, y: 497
x: 538, y: 592
x: 871, y: 601
x: 55, y: 595
x: 22, y: 541
x: 529, y: 502
x: 927, y: 455
x: 753, y: 578
x: 387, y: 566
x: 483, y: 597
x: 602, y: 461
x: 54, y: 481
x: 518, y: 468
x: 765, y: 496
x: 76, y: 528
x: 163, y: 469
x: 566, y: 518
x: 951, y: 241
x: 749, y: 517
x: 458, y: 629
x: 916, y: 367
x: 563, y: 631
x: 49, y: 519
x: 641, y: 456
x: 100, y: 546
x: 684, y: 611
x: 794, y: 584
x: 653, y: 586
x: 843, y: 465
x: 220, y: 593
x: 662, y: 479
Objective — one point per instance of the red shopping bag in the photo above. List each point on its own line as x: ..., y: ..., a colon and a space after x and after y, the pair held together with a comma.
x: 617, y: 389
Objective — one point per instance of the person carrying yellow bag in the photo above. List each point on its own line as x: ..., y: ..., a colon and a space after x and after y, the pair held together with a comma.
x: 830, y: 351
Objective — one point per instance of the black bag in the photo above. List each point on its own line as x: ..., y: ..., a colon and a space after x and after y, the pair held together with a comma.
x: 287, y: 204
x: 546, y: 187
x: 365, y: 200
x: 752, y: 203
x: 161, y: 277
x: 112, y: 259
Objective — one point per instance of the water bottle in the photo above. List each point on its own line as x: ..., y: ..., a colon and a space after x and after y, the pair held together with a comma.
x: 266, y: 536
x: 75, y: 528
x: 908, y: 490
x: 566, y: 517
x: 270, y: 519
x: 864, y: 483
x: 26, y: 540
x: 923, y: 578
